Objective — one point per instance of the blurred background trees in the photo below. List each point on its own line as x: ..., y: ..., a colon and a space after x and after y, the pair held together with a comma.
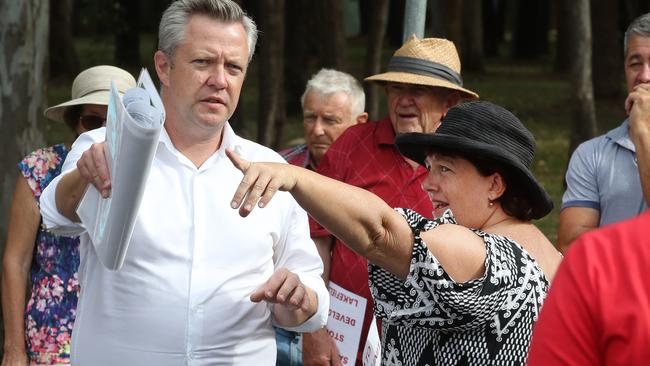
x: 557, y: 64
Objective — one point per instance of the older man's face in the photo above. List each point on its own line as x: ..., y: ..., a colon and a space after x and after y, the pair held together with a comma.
x: 417, y: 108
x: 637, y: 61
x: 325, y: 118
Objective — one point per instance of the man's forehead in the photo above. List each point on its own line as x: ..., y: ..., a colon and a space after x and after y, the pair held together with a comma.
x: 638, y: 44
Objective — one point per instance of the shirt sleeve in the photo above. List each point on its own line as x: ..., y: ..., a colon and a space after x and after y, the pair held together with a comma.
x: 430, y: 298
x: 581, y: 177
x: 297, y: 252
x: 52, y: 218
x: 566, y: 332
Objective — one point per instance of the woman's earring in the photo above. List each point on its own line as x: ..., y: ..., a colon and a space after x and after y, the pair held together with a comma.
x: 490, y: 203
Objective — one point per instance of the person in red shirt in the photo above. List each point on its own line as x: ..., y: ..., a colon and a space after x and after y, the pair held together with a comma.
x: 598, y: 308
x: 422, y: 82
x: 333, y: 101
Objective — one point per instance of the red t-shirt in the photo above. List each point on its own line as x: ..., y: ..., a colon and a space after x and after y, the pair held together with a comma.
x: 366, y: 156
x: 598, y: 308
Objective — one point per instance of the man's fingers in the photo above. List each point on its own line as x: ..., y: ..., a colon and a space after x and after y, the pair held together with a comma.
x: 239, y: 162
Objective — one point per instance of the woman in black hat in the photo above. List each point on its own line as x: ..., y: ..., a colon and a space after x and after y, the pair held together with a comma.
x: 466, y: 294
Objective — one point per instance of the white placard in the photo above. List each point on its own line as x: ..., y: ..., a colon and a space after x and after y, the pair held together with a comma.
x: 372, y: 349
x: 345, y: 321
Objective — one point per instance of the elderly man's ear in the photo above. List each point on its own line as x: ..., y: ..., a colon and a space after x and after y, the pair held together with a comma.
x: 362, y: 118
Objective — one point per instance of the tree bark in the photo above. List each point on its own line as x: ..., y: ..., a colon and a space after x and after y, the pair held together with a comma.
x: 584, y: 114
x: 127, y: 33
x: 455, y: 23
x: 332, y: 34
x: 24, y: 28
x: 63, y: 56
x: 472, y: 58
x: 437, y: 18
x: 531, y: 33
x: 607, y: 49
x: 272, y: 112
x: 300, y: 51
x: 378, y: 24
x: 494, y: 21
x: 562, y: 63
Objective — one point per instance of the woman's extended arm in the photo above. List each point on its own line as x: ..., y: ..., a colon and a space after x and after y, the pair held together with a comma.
x: 360, y: 219
x: 23, y: 225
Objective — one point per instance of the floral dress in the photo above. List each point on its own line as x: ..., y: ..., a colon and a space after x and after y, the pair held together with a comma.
x: 429, y: 319
x: 51, y: 308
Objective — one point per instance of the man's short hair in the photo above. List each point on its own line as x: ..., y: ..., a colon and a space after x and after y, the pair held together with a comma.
x: 327, y: 82
x: 172, y: 24
x: 639, y: 27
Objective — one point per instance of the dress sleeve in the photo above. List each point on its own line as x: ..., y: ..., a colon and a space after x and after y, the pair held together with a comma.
x: 430, y: 298
x: 41, y: 166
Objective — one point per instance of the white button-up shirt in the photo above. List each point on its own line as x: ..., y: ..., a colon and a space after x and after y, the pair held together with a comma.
x: 182, y: 295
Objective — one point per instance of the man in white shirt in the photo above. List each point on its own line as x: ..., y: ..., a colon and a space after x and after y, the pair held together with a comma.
x: 200, y: 285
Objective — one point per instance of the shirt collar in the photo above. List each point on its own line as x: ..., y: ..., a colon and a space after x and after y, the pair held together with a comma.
x: 385, y: 132
x: 228, y: 140
x: 621, y: 136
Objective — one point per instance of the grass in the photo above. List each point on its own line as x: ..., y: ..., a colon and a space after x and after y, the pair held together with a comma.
x: 530, y: 90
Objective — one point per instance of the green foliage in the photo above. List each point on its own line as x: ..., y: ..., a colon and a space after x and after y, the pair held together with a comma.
x: 542, y: 102
x: 530, y: 90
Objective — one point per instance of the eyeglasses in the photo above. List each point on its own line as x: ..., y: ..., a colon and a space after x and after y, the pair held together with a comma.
x: 91, y: 122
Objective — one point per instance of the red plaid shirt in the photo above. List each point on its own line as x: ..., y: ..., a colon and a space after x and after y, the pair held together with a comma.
x: 366, y: 156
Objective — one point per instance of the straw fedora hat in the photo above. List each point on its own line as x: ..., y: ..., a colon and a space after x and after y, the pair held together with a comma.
x: 92, y: 86
x: 427, y: 61
x: 486, y: 130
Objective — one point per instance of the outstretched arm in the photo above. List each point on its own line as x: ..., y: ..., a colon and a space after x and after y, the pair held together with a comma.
x: 359, y: 218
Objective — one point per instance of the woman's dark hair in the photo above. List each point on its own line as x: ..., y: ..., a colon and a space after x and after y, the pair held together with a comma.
x: 71, y: 116
x: 514, y: 200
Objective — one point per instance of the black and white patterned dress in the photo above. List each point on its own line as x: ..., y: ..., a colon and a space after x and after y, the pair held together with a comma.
x: 430, y: 319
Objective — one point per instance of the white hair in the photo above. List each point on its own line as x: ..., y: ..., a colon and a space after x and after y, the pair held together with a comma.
x: 328, y: 82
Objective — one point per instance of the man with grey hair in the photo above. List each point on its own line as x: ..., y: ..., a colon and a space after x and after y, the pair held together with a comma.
x: 332, y: 102
x: 200, y: 285
x: 603, y: 184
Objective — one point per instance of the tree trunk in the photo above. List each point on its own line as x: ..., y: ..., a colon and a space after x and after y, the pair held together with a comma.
x: 378, y: 24
x: 300, y: 51
x: 562, y: 47
x: 437, y: 18
x: 584, y: 115
x: 331, y: 34
x: 472, y: 58
x: 24, y: 28
x: 607, y: 49
x: 455, y: 23
x: 494, y: 22
x: 531, y: 33
x: 63, y: 57
x: 272, y: 113
x: 127, y: 33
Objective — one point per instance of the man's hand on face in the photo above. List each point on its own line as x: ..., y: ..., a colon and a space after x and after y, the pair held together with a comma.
x: 93, y: 168
x: 284, y: 289
x: 637, y: 106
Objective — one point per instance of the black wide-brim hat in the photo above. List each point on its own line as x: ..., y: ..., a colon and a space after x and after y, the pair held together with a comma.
x: 487, y: 131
